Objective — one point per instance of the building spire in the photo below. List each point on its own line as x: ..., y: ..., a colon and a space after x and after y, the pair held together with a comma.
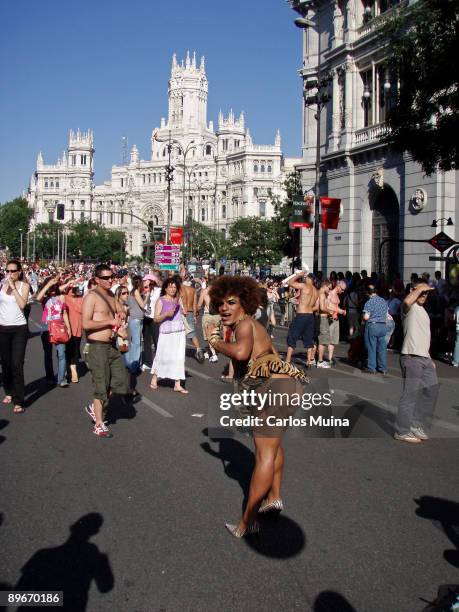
x: 193, y: 63
x: 202, y: 67
x: 277, y: 141
x: 174, y: 62
x: 187, y: 61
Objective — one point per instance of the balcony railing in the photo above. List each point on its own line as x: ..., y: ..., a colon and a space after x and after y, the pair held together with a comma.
x: 369, y: 134
x: 376, y: 22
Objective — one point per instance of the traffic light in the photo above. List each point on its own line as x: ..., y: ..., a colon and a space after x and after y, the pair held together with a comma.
x: 169, y: 173
x: 60, y: 213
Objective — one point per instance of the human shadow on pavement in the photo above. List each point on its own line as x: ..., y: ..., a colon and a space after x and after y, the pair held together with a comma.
x: 3, y: 423
x: 279, y: 539
x: 36, y: 389
x: 445, y: 514
x: 71, y: 567
x: 120, y: 408
x: 237, y: 460
x: 331, y: 601
x: 359, y: 412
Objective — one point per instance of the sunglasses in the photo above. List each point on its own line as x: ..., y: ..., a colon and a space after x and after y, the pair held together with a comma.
x: 124, y: 293
x: 106, y: 277
x: 12, y: 271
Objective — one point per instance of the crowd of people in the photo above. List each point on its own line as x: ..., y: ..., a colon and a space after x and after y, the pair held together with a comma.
x: 139, y: 320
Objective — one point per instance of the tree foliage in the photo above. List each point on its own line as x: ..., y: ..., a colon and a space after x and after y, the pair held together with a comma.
x: 255, y: 241
x: 289, y: 239
x: 206, y: 243
x: 86, y: 240
x: 423, y: 55
x: 14, y: 216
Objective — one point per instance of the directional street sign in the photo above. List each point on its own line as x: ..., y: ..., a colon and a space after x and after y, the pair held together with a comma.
x: 441, y: 242
x: 168, y: 267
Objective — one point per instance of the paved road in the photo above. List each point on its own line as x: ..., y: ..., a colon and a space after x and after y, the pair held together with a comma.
x: 136, y: 522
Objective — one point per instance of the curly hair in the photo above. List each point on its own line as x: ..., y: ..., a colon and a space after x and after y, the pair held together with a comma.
x: 173, y: 280
x: 243, y: 287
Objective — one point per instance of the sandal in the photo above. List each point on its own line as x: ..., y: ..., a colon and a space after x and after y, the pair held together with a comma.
x: 18, y: 409
x: 7, y: 399
x: 154, y: 387
x: 183, y: 391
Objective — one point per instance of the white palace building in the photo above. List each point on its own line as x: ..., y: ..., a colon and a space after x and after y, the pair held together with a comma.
x: 219, y: 176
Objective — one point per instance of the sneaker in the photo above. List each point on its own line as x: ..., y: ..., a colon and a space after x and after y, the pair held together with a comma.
x: 312, y: 363
x: 63, y: 384
x: 419, y: 433
x: 102, y: 431
x: 206, y: 355
x: 408, y: 437
x: 145, y: 368
x: 323, y: 364
x: 199, y: 356
x: 213, y: 359
x: 89, y: 409
x: 454, y: 364
x: 332, y: 362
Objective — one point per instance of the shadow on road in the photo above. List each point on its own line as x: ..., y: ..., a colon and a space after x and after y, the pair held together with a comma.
x: 36, y: 389
x: 121, y: 408
x: 446, y: 513
x: 358, y: 413
x: 3, y: 424
x: 279, y: 539
x: 331, y: 601
x: 237, y: 460
x: 71, y: 567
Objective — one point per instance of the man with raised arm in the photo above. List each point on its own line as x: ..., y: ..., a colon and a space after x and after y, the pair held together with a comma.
x: 302, y: 326
x: 420, y: 382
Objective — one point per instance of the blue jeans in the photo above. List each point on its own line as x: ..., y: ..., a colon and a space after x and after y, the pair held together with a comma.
x: 61, y: 364
x: 390, y: 326
x: 375, y: 343
x: 456, y: 349
x: 133, y: 354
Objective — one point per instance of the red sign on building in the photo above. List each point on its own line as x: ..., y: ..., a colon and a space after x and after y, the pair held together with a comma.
x: 441, y: 242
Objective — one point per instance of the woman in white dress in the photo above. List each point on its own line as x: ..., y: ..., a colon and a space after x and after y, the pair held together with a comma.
x: 170, y: 355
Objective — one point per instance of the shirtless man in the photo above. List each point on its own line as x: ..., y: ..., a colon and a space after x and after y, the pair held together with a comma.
x: 210, y: 317
x: 302, y: 326
x: 189, y: 301
x: 100, y: 318
x: 329, y: 325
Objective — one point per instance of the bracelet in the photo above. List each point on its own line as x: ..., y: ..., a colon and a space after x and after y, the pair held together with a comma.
x: 214, y: 337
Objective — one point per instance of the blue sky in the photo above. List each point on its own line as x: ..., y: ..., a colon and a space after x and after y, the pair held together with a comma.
x: 105, y: 64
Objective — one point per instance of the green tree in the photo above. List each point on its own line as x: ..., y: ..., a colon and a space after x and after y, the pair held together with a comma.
x: 255, y: 241
x: 424, y: 117
x: 289, y: 239
x: 206, y: 243
x: 90, y: 240
x: 46, y: 240
x: 14, y: 216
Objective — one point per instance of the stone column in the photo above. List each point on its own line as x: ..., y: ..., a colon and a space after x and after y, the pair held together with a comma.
x: 335, y: 134
x: 349, y: 95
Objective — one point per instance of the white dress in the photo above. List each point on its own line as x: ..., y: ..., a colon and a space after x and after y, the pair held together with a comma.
x: 169, y: 360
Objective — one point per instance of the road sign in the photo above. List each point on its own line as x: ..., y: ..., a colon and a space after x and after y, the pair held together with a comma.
x: 441, y: 242
x: 167, y: 247
x: 302, y: 211
x: 169, y: 267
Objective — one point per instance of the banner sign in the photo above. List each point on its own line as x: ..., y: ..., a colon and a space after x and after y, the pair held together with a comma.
x: 302, y: 212
x: 330, y: 211
x: 176, y: 234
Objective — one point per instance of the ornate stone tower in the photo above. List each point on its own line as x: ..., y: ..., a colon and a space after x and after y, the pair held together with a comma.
x: 81, y: 151
x: 188, y: 95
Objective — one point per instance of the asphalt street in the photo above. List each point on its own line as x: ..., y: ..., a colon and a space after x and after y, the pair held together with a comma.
x: 136, y: 523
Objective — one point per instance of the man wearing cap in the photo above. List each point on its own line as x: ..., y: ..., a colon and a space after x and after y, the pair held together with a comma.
x: 122, y: 277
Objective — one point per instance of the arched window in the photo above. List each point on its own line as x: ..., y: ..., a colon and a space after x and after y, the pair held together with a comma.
x: 203, y: 214
x: 208, y: 150
x: 46, y: 183
x: 164, y: 152
x: 224, y: 211
x: 262, y: 209
x: 100, y: 217
x: 270, y: 168
x: 262, y: 168
x: 110, y: 218
x: 255, y: 168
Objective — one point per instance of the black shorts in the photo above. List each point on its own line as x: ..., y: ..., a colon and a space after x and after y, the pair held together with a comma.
x: 301, y: 328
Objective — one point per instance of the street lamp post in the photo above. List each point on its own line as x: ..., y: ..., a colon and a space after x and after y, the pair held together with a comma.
x: 20, y: 232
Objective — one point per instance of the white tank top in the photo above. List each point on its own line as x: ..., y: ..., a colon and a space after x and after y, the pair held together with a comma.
x: 10, y: 313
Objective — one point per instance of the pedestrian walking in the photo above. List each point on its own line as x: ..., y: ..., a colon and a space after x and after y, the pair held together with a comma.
x: 14, y: 294
x: 169, y: 360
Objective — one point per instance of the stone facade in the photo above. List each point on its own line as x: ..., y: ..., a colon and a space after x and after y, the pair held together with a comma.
x: 219, y: 176
x: 383, y: 194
